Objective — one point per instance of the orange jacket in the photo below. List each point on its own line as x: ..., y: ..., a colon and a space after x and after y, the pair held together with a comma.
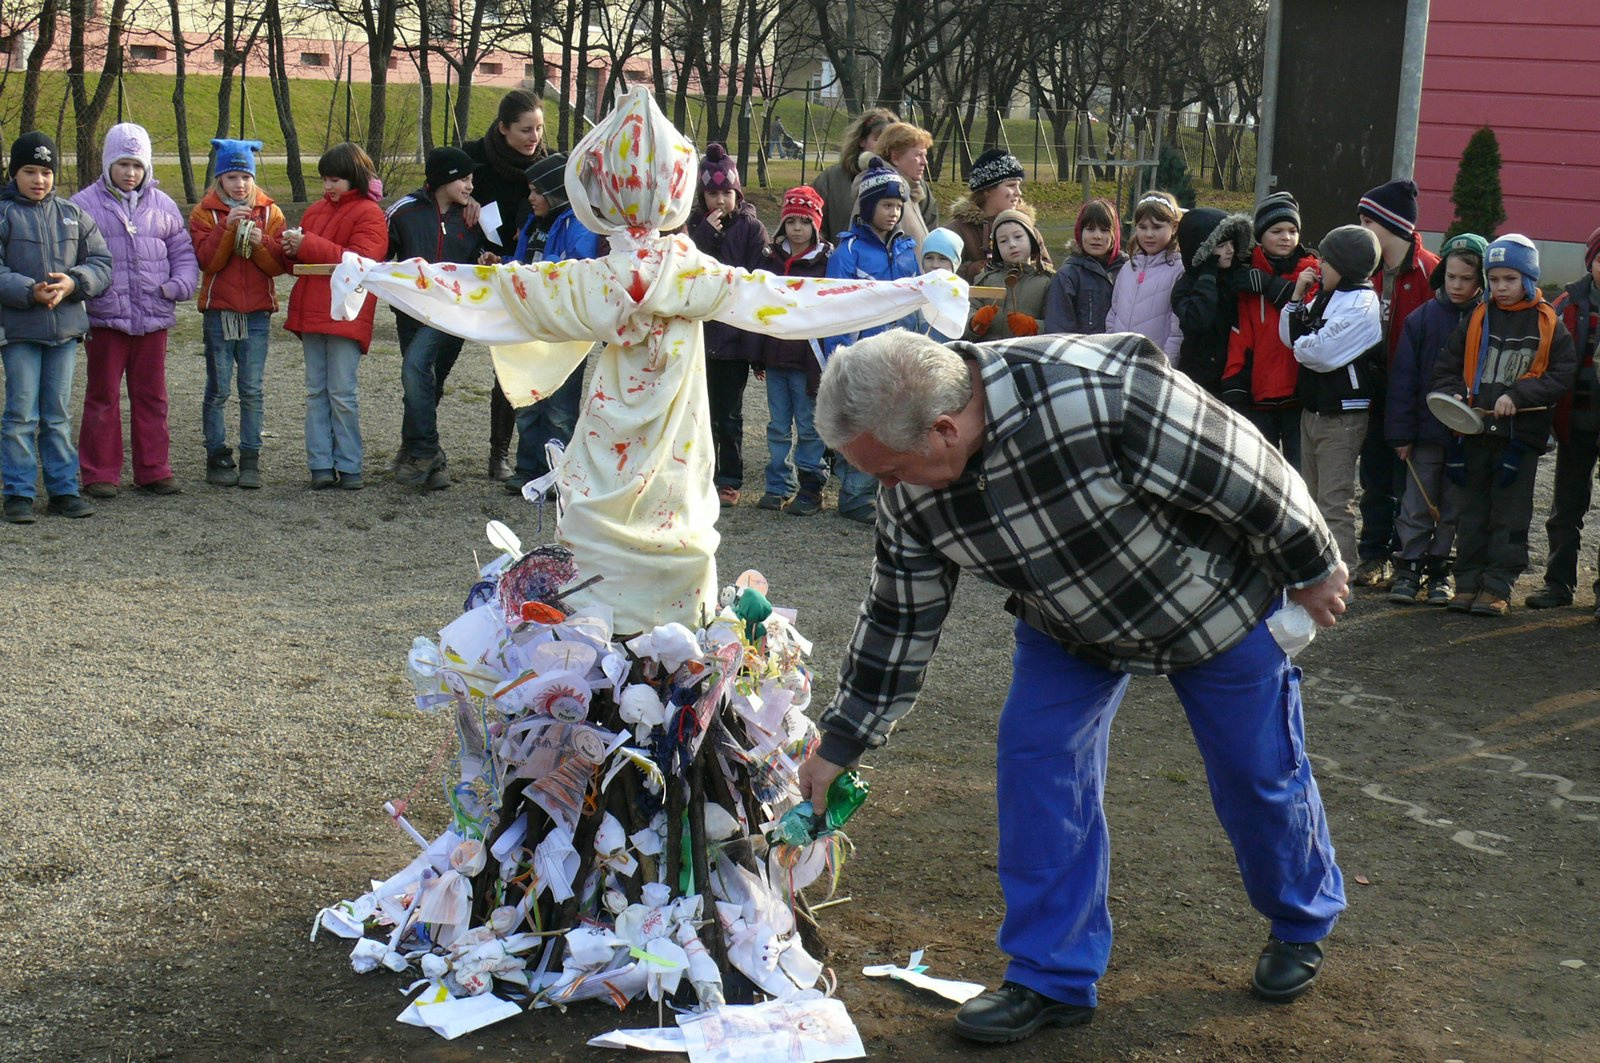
x: 228, y: 282
x: 1261, y: 371
x: 355, y: 223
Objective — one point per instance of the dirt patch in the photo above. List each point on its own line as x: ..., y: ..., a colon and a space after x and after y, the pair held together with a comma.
x: 205, y: 709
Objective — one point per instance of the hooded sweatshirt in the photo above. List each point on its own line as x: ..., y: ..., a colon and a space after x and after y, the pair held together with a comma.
x: 329, y: 228
x: 153, y: 261
x: 1206, y: 298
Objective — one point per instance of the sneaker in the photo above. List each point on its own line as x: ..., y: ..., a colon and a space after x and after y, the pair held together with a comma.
x: 100, y: 490
x: 771, y: 501
x: 351, y: 481
x: 1490, y: 604
x: 220, y: 469
x: 728, y: 496
x: 804, y: 504
x: 74, y: 506
x: 1403, y: 591
x: 1013, y: 1012
x: 321, y: 479
x: 1550, y: 596
x: 1440, y: 590
x: 1373, y: 572
x: 1462, y: 602
x: 19, y: 510
x: 167, y: 485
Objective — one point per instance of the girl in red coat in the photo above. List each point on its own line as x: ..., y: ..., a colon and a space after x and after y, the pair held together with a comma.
x: 347, y: 218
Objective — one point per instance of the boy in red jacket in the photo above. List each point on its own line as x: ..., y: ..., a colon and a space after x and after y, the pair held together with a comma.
x: 1401, y: 280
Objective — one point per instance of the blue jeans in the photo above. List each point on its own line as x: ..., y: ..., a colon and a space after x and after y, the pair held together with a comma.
x: 333, y: 413
x: 1245, y: 713
x: 547, y: 419
x: 426, y: 359
x: 249, y: 355
x: 788, y: 404
x: 36, y: 424
x: 858, y: 491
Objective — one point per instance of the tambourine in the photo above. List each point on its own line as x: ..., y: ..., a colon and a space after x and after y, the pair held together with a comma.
x: 1467, y: 420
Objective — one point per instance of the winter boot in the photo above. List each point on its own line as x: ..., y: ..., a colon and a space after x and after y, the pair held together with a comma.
x: 808, y: 500
x: 1441, y: 588
x: 220, y: 469
x: 438, y: 474
x: 1407, y: 582
x: 249, y: 468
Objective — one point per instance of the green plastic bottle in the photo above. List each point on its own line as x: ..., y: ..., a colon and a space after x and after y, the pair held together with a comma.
x: 801, y: 825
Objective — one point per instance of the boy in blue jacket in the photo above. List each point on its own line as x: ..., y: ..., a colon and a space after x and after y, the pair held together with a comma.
x: 430, y: 224
x: 552, y: 233
x: 873, y: 248
x: 1426, y: 535
x: 52, y: 261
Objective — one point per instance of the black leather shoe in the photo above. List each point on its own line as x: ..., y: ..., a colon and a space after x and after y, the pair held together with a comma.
x: 1013, y: 1012
x: 1286, y: 970
x: 1550, y: 596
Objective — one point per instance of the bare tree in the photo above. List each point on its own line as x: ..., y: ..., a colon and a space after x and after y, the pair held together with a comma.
x: 278, y: 75
x: 48, y: 13
x: 86, y: 107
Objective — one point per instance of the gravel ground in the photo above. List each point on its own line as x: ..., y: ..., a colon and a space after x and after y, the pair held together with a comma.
x: 206, y: 708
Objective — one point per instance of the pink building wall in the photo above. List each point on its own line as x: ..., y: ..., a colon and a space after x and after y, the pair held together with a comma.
x: 1531, y: 72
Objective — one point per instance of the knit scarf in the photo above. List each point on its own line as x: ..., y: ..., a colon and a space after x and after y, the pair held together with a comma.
x: 1477, y: 346
x: 235, y: 325
x: 509, y: 164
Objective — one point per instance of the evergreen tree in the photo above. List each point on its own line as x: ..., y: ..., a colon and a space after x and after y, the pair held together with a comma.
x: 1479, y: 206
x: 1172, y: 175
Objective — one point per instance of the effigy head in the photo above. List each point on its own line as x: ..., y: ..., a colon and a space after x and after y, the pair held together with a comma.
x: 633, y: 171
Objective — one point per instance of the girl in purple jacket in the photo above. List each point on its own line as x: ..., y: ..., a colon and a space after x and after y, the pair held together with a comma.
x: 1141, y: 299
x: 153, y: 269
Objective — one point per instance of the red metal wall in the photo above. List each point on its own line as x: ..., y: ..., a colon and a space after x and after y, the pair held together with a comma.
x: 1531, y: 71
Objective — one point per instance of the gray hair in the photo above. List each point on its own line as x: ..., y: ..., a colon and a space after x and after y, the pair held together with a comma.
x: 893, y: 385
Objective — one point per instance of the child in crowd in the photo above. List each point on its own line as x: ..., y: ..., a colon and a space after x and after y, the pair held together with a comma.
x: 1577, y: 424
x: 1513, y: 359
x: 1018, y: 264
x: 1424, y: 535
x: 1215, y: 248
x: 942, y: 249
x: 237, y: 231
x: 792, y: 368
x: 552, y: 233
x: 1338, y: 340
x: 1080, y: 296
x: 726, y: 227
x: 52, y: 261
x: 875, y: 248
x: 430, y: 224
x: 346, y: 218
x: 1261, y: 376
x: 1141, y: 300
x: 1402, y: 281
x: 153, y: 269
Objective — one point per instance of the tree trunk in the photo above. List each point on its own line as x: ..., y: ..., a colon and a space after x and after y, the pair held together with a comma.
x: 567, y: 28
x: 180, y: 106
x: 658, y: 72
x: 28, y: 120
x: 278, y: 78
x: 425, y: 77
x: 88, y: 109
x: 380, y: 26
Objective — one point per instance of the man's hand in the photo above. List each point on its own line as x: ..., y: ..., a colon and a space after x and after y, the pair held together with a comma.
x: 816, y: 775
x: 1325, y: 600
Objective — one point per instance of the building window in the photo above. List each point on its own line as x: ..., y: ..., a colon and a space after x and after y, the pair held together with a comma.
x: 394, y: 63
x: 492, y: 69
x: 530, y: 70
x: 147, y: 52
x: 313, y: 58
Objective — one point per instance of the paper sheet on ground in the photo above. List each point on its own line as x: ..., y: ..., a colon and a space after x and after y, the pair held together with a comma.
x: 779, y: 1031
x: 912, y: 974
x: 450, y: 1017
x: 659, y: 1039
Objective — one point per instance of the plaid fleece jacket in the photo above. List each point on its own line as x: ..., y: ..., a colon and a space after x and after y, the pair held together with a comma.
x: 1133, y: 517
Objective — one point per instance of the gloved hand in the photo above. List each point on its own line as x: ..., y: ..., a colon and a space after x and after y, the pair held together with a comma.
x: 1510, y: 462
x: 982, y: 319
x: 1455, y: 461
x: 1022, y: 324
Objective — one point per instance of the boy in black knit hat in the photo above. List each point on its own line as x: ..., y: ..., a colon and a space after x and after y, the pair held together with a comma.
x: 430, y: 224
x: 1389, y: 212
x: 54, y: 260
